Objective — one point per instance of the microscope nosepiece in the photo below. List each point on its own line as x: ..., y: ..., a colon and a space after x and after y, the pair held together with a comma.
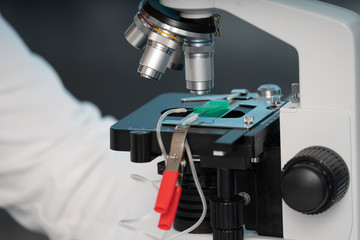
x: 171, y: 41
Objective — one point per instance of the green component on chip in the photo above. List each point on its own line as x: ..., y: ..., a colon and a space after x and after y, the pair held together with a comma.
x: 213, y: 108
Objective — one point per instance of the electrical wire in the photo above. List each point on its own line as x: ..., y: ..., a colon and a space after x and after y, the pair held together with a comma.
x: 201, y: 193
x: 125, y: 222
x: 158, y: 129
x: 192, y: 167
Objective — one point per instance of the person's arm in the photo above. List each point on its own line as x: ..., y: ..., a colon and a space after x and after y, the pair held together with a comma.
x: 57, y: 173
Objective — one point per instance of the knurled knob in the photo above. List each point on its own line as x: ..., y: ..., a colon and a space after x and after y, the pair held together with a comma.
x: 314, y: 180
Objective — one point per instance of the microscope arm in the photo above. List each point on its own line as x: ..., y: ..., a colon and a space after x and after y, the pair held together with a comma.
x: 324, y: 35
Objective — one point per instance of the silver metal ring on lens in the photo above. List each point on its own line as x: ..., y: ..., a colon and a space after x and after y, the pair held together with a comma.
x: 199, y: 88
x: 157, y: 55
x: 149, y: 73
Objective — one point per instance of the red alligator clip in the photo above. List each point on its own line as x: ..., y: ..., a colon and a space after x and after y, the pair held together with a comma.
x: 166, y: 191
x: 170, y: 188
x: 167, y: 219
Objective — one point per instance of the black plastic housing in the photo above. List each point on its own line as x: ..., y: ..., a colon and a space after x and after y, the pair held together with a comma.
x: 261, y: 181
x: 314, y: 180
x: 173, y: 18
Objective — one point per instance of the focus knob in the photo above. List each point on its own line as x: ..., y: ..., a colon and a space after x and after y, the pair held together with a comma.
x: 314, y: 180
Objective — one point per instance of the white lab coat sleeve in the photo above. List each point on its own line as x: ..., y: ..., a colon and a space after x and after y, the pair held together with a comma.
x: 57, y: 173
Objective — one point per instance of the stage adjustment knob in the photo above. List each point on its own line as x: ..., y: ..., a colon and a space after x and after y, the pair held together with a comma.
x: 314, y: 180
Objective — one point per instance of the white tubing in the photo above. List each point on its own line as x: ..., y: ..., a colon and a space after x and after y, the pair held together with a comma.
x: 201, y: 193
x: 125, y: 222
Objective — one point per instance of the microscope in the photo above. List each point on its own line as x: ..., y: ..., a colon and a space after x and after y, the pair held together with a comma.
x: 283, y: 168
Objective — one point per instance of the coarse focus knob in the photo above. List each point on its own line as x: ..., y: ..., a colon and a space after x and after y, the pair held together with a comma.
x: 314, y: 180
